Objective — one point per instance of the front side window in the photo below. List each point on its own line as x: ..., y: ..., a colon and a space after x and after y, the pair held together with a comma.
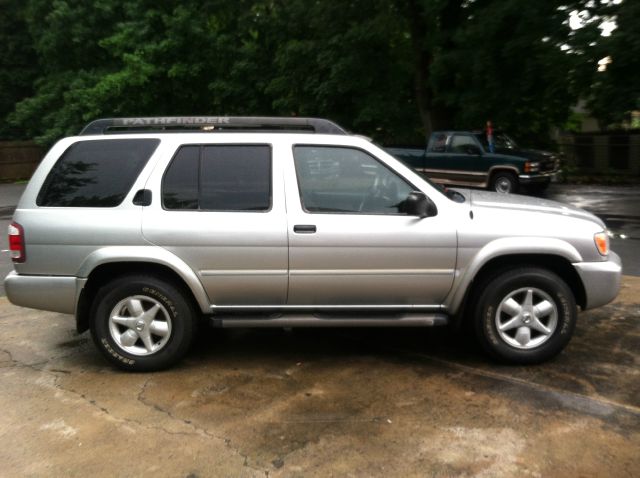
x: 96, y: 173
x: 219, y: 178
x: 347, y: 180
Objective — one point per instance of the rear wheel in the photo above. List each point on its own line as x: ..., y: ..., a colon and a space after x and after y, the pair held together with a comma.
x: 142, y: 323
x: 525, y: 315
x: 504, y: 182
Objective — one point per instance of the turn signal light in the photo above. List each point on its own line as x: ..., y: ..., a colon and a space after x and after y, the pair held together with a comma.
x: 16, y: 242
x: 602, y: 242
x: 530, y: 167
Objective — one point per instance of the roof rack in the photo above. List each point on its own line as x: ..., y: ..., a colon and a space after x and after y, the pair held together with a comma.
x: 168, y: 124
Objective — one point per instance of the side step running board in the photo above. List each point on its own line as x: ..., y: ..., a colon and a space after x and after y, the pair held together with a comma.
x: 312, y: 320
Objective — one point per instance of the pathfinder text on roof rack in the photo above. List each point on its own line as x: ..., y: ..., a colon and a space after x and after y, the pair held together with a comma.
x: 211, y: 123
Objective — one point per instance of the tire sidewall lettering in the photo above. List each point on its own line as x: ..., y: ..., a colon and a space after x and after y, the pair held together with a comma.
x: 498, y: 288
x: 163, y: 298
x: 115, y: 354
x: 165, y: 293
x: 489, y: 325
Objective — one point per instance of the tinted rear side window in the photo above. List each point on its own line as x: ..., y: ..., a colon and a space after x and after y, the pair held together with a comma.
x: 180, y: 186
x: 235, y: 178
x: 97, y: 173
x: 219, y: 178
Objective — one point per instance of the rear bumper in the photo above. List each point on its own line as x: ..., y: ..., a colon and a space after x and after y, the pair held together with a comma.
x: 601, y: 280
x: 54, y: 293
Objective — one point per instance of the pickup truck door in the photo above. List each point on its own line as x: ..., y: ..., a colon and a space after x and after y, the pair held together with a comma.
x: 349, y: 245
x: 459, y: 162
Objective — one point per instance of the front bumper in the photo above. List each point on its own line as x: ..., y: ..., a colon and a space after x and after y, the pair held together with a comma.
x: 54, y: 293
x: 601, y: 280
x: 540, y: 178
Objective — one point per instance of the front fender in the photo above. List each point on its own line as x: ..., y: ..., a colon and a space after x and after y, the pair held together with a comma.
x: 471, y: 260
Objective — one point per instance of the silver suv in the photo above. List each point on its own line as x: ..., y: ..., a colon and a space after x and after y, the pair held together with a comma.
x: 143, y: 226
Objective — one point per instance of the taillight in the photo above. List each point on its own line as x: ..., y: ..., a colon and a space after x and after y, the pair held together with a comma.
x: 16, y: 242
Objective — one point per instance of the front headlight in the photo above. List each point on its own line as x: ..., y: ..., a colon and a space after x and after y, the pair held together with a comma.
x: 531, y: 167
x: 602, y: 242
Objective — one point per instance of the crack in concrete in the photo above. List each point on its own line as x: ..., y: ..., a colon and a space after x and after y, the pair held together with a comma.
x: 17, y: 363
x: 54, y: 373
x: 198, y: 429
x: 147, y: 403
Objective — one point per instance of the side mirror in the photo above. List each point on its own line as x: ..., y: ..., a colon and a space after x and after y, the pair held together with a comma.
x: 418, y: 204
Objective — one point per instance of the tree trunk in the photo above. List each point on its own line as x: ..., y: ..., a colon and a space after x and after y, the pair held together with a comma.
x: 444, y: 22
x: 421, y: 63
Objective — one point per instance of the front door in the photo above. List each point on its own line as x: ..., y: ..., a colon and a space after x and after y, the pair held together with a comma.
x: 350, y: 244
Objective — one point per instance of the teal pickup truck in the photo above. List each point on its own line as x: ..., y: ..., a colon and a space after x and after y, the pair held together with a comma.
x: 464, y: 159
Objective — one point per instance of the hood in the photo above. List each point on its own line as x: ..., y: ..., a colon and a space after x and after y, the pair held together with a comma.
x: 532, y: 154
x: 515, y: 202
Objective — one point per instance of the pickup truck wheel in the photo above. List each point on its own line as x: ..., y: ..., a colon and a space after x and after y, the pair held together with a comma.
x: 525, y: 315
x: 142, y: 323
x: 504, y: 182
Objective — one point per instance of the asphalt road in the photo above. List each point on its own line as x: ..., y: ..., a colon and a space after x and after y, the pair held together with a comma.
x: 618, y: 207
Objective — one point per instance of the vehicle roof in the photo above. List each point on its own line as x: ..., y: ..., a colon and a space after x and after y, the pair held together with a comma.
x: 211, y: 124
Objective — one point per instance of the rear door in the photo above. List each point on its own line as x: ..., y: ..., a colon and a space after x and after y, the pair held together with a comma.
x: 222, y: 212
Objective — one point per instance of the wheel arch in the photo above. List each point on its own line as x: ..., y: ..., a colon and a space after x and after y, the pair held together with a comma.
x: 110, y: 270
x: 555, y: 263
x: 502, y: 168
x: 496, y: 170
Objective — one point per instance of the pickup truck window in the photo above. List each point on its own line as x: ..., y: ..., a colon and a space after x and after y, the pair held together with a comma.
x: 464, y: 144
x: 219, y: 178
x: 438, y: 143
x: 501, y: 140
x: 347, y: 180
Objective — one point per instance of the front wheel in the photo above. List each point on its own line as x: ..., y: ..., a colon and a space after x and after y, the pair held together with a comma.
x: 525, y: 315
x: 142, y: 323
x: 504, y: 182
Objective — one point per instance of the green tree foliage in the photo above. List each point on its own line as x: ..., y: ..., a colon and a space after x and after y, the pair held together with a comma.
x: 504, y: 64
x: 615, y: 91
x: 18, y: 65
x: 391, y: 69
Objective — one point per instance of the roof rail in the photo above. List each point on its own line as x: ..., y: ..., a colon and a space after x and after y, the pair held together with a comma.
x: 168, y: 124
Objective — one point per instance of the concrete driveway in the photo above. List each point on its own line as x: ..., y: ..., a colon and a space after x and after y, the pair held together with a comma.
x: 329, y: 402
x: 322, y: 403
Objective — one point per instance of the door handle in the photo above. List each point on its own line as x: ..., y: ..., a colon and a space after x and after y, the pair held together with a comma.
x: 304, y: 228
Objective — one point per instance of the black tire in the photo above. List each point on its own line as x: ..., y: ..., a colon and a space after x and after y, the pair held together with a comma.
x: 492, y: 308
x: 504, y: 182
x: 172, y: 317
